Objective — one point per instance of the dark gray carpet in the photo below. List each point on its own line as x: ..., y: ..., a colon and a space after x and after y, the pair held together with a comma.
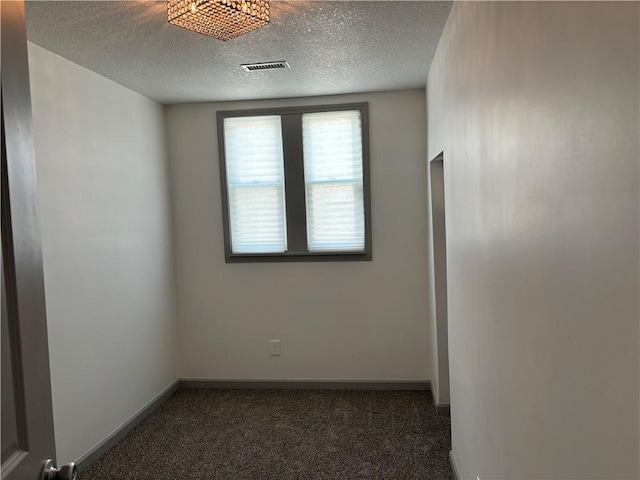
x: 203, y: 434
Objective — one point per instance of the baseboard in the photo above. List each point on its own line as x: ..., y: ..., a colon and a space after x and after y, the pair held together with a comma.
x: 441, y: 408
x: 421, y: 385
x: 454, y: 465
x: 114, y: 437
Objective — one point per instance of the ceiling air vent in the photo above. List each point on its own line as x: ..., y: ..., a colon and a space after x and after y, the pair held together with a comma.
x: 253, y: 67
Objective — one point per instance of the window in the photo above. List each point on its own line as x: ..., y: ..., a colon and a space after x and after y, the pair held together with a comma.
x: 295, y: 183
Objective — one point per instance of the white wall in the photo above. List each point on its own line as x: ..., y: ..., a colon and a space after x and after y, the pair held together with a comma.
x: 535, y: 105
x: 106, y: 232
x: 336, y: 320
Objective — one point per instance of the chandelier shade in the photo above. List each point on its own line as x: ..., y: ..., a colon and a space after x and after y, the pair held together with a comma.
x: 222, y: 19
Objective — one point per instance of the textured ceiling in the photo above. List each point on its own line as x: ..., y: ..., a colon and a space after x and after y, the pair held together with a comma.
x: 333, y: 47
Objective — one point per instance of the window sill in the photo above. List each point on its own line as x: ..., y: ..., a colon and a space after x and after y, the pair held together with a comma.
x: 298, y: 257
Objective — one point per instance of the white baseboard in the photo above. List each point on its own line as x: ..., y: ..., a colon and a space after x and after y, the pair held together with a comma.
x: 303, y: 384
x: 454, y: 465
x: 89, y: 458
x: 441, y: 408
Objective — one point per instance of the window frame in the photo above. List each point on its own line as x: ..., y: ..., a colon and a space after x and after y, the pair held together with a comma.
x: 294, y: 185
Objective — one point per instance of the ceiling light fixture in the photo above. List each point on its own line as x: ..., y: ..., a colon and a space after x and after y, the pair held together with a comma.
x: 222, y: 19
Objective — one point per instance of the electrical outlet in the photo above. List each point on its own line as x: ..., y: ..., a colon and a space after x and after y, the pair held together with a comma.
x: 274, y: 348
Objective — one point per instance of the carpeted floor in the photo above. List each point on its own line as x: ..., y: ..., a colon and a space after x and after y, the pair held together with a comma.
x: 202, y: 434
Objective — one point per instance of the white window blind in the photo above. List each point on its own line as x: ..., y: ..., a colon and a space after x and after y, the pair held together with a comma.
x: 332, y: 144
x: 255, y: 183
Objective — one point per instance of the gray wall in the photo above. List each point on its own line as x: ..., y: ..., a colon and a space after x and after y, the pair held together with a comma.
x: 535, y: 105
x: 336, y: 321
x: 106, y: 233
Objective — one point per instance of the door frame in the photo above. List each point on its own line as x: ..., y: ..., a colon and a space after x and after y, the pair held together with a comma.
x: 439, y: 243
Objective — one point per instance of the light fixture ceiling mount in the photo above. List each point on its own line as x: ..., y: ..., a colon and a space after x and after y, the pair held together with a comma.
x: 222, y: 19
